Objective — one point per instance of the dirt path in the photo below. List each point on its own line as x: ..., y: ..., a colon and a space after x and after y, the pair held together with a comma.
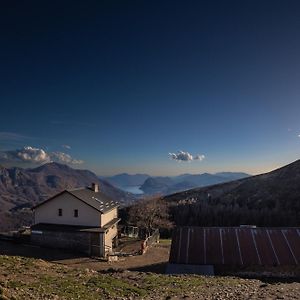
x: 154, y: 260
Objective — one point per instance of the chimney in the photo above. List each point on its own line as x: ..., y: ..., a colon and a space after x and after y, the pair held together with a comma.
x: 95, y: 187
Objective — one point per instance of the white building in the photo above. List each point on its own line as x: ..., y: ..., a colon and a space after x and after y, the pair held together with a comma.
x: 83, y: 220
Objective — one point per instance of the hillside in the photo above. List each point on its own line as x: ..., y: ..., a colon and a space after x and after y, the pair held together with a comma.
x: 156, y: 185
x: 270, y: 199
x: 29, y: 278
x: 124, y: 179
x: 169, y: 185
x: 23, y: 188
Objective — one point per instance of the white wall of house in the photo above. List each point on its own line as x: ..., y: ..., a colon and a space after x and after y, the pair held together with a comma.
x: 48, y: 212
x: 107, y: 217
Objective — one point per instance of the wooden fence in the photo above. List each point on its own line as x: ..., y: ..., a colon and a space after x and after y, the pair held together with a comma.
x: 149, y: 241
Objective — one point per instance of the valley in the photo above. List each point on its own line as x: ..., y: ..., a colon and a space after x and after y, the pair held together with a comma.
x: 164, y: 185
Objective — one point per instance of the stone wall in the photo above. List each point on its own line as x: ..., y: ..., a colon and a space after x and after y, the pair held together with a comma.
x: 74, y: 241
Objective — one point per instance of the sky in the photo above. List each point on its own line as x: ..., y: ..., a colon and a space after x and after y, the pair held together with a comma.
x: 157, y: 87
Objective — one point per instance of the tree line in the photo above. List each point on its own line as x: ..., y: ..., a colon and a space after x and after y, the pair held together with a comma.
x: 165, y: 213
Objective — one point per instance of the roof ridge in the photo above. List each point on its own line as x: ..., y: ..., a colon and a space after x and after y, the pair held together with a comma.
x: 76, y: 189
x: 97, y: 200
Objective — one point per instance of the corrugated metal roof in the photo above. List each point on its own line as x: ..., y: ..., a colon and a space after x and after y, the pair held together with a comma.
x: 235, y: 246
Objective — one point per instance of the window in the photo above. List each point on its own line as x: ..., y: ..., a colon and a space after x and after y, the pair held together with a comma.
x: 60, y: 212
x: 76, y: 213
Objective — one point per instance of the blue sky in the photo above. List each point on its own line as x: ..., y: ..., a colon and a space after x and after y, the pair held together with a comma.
x: 125, y: 83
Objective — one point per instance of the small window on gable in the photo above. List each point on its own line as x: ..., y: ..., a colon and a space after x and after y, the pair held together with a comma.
x: 76, y: 213
x: 60, y: 212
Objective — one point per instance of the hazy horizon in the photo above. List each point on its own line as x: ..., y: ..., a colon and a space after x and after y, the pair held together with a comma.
x: 144, y: 171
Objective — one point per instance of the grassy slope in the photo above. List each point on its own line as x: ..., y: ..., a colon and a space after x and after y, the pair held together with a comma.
x: 27, y: 278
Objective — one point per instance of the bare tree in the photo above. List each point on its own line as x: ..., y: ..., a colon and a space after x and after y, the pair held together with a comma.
x: 150, y: 214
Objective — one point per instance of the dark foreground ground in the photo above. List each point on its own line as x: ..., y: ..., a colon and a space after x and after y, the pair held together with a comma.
x: 34, y: 273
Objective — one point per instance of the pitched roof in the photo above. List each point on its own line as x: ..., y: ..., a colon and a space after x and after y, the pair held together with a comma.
x: 235, y: 246
x: 96, y: 200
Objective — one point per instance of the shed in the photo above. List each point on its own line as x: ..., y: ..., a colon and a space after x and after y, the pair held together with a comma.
x: 202, y: 249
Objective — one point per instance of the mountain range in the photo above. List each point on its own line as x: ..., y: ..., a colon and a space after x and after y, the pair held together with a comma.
x: 23, y: 188
x: 270, y: 199
x: 125, y: 180
x: 165, y: 185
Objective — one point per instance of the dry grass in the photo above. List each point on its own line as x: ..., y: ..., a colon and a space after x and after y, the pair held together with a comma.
x: 29, y: 278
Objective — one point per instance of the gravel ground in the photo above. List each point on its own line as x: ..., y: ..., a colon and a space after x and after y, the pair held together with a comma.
x: 28, y: 278
x: 33, y: 273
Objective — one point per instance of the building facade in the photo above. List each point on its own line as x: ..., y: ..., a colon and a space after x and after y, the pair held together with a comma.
x: 83, y: 220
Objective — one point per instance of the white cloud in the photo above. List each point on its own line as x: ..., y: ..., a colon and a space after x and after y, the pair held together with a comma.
x: 66, y: 147
x: 36, y: 156
x: 181, y: 156
x: 30, y: 154
x: 199, y: 157
x: 64, y: 158
x: 185, y: 156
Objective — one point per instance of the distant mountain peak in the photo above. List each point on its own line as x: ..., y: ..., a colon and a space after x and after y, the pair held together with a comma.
x: 56, y: 165
x: 51, y: 166
x: 125, y: 179
x: 169, y: 185
x: 29, y: 186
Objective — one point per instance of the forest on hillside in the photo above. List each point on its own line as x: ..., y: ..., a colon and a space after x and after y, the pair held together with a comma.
x: 216, y: 213
x: 210, y: 212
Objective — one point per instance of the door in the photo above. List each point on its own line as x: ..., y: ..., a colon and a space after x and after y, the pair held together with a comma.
x: 96, y: 244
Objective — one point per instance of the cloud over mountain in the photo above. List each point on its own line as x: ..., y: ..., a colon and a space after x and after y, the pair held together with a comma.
x: 30, y: 154
x: 185, y: 156
x: 64, y: 158
x: 33, y: 155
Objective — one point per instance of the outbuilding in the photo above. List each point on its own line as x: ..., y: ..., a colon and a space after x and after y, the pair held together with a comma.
x: 204, y: 250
